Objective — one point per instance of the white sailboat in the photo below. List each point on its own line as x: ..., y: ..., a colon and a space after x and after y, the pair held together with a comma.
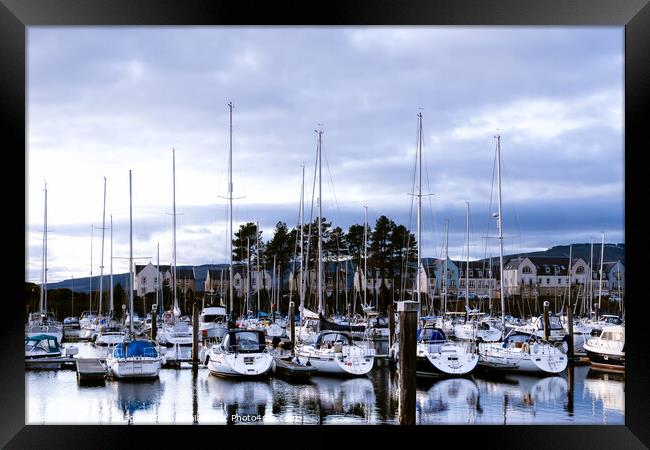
x: 519, y: 351
x: 133, y: 359
x: 44, y: 322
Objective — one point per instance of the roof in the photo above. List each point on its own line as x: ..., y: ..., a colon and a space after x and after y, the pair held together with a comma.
x: 139, y: 267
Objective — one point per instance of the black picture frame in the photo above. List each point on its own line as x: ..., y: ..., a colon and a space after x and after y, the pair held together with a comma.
x: 634, y: 15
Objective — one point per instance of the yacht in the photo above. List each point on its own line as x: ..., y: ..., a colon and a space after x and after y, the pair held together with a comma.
x: 44, y: 352
x: 241, y: 353
x: 333, y: 352
x: 522, y: 352
x: 44, y: 323
x: 477, y: 329
x: 607, y: 351
x: 134, y: 359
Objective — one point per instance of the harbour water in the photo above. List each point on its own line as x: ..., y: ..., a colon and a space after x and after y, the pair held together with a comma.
x: 186, y: 396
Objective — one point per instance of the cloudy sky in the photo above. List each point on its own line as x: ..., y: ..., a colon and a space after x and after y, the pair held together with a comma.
x: 103, y: 100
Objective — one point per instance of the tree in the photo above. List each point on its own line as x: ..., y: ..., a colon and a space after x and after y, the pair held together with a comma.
x: 382, y: 255
x: 403, y: 248
x: 245, y: 243
x: 355, y: 244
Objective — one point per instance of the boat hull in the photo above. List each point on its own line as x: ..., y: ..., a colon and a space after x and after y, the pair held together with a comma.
x: 444, y: 360
x: 540, y: 360
x: 239, y: 365
x: 134, y: 368
x: 336, y: 363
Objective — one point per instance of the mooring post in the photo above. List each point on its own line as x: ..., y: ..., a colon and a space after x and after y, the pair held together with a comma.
x: 154, y: 320
x: 547, y: 328
x: 292, y: 325
x: 391, y: 327
x: 408, y: 320
x: 569, y: 318
x: 195, y: 334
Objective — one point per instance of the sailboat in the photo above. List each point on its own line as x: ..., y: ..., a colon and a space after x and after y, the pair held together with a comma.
x: 436, y: 354
x: 520, y: 351
x: 131, y: 358
x: 175, y: 332
x: 43, y: 322
x: 332, y: 351
x: 241, y: 353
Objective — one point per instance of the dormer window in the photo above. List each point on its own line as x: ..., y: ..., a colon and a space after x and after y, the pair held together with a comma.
x: 547, y: 269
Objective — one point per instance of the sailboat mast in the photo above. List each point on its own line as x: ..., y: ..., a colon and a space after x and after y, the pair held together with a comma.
x: 111, y: 299
x: 101, y: 265
x: 500, y: 226
x: 591, y: 276
x: 569, y: 273
x: 257, y: 258
x: 158, y: 304
x: 231, y: 280
x: 130, y: 255
x: 320, y: 218
x: 302, y: 241
x: 90, y: 295
x: 174, y: 234
x: 444, y: 305
x: 600, y: 282
x: 467, y: 265
x: 365, y: 255
x: 419, y: 213
x: 44, y: 286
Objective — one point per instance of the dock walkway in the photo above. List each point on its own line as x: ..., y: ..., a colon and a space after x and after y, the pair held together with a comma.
x: 90, y: 369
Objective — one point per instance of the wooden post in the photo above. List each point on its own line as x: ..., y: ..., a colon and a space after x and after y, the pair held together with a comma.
x: 195, y: 334
x: 292, y: 325
x: 569, y: 318
x: 154, y: 319
x: 408, y: 317
x: 391, y: 327
x: 547, y: 328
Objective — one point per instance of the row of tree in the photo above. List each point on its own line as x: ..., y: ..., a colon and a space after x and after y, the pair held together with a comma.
x: 388, y: 247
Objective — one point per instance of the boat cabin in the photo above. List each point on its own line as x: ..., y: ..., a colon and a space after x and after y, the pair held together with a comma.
x: 517, y: 339
x: 611, y: 319
x: 328, y: 339
x: 42, y: 344
x: 244, y: 341
x: 378, y: 322
x: 554, y: 322
x: 213, y: 314
x: 135, y: 349
x: 431, y: 335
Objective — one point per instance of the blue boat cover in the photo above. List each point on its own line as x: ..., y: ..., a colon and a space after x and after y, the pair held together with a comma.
x: 52, y: 342
x: 136, y: 348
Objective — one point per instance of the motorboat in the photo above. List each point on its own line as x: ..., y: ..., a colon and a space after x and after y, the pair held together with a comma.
x: 522, y: 352
x: 134, y: 359
x: 44, y: 352
x: 333, y: 352
x: 110, y: 333
x: 607, y: 351
x: 213, y: 322
x: 536, y: 325
x: 241, y: 353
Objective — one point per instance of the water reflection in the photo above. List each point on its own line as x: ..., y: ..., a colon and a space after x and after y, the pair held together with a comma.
x: 451, y: 400
x: 240, y: 401
x: 352, y: 398
x: 133, y: 396
x: 609, y: 388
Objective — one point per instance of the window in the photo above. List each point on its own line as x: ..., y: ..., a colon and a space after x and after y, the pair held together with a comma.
x: 144, y: 280
x: 548, y: 281
x: 547, y: 269
x: 460, y: 273
x: 539, y: 281
x: 580, y: 270
x: 526, y: 269
x: 559, y: 281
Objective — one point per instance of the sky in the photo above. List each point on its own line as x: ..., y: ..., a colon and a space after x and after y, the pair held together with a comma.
x: 105, y: 100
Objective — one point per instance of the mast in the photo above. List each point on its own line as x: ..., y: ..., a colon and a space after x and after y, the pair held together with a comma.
x: 302, y: 240
x: 569, y: 283
x: 111, y: 299
x: 72, y: 292
x: 600, y: 282
x: 44, y: 278
x: 419, y: 213
x: 90, y: 295
x: 130, y: 255
x: 101, y: 265
x: 444, y: 307
x: 158, y: 304
x: 591, y: 276
x: 257, y: 257
x: 248, y: 276
x: 320, y: 218
x: 174, y: 285
x: 365, y: 256
x: 230, y: 211
x: 500, y: 226
x: 467, y: 266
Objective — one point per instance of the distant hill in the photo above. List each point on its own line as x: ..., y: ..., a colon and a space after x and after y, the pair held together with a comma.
x: 613, y: 252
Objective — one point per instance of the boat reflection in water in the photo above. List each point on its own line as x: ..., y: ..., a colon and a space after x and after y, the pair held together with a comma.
x: 134, y: 396
x: 448, y: 401
x: 351, y: 400
x: 241, y: 401
x: 606, y: 387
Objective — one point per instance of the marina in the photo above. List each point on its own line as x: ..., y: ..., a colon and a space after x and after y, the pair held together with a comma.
x: 185, y: 396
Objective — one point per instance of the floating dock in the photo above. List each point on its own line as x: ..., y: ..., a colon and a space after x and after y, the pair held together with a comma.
x: 90, y: 369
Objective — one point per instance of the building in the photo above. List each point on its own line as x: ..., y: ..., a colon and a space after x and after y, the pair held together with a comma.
x: 146, y: 278
x: 542, y: 275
